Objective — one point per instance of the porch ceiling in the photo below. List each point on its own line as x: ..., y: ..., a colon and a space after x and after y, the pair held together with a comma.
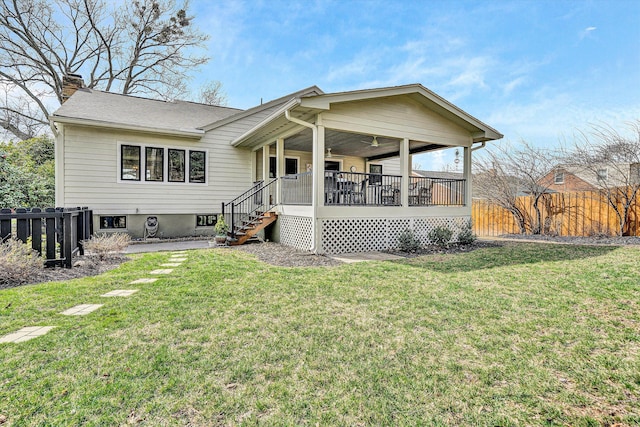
x: 357, y: 145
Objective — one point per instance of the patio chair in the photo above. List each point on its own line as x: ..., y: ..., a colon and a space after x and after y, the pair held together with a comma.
x: 358, y: 195
x: 331, y: 190
x: 390, y: 195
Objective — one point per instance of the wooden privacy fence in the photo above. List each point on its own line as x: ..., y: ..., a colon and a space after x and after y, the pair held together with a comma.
x: 62, y: 231
x: 585, y: 213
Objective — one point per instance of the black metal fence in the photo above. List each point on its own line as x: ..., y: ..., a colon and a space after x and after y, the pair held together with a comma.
x: 60, y: 230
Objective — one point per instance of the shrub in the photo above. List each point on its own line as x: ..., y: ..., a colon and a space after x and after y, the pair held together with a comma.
x: 466, y: 236
x: 19, y: 263
x: 440, y: 236
x: 221, y: 227
x: 107, y: 245
x: 408, y: 242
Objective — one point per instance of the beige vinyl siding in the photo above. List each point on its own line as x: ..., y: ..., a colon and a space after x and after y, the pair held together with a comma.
x: 398, y: 117
x: 87, y: 149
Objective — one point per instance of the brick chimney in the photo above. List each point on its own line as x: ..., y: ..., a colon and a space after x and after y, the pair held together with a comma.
x: 70, y: 84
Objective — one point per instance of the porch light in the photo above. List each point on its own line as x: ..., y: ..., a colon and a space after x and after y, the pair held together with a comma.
x: 374, y: 143
x: 328, y: 153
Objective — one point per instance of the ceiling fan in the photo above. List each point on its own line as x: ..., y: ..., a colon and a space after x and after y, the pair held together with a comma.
x: 374, y: 142
x: 330, y: 155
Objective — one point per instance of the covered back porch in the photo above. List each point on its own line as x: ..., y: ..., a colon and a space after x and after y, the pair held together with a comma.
x: 342, y: 166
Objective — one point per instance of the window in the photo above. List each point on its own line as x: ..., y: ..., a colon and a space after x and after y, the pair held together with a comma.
x: 375, y: 180
x: 176, y: 165
x: 107, y: 222
x: 162, y: 164
x: 330, y: 165
x: 130, y: 163
x: 272, y: 167
x: 290, y: 166
x: 206, y: 220
x: 559, y: 178
x: 154, y: 161
x: 196, y: 166
x: 602, y: 174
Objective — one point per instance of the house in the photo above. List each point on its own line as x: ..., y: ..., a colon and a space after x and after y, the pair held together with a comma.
x: 330, y: 171
x: 581, y: 178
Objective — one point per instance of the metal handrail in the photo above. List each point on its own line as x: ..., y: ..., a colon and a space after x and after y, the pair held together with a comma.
x: 243, y: 209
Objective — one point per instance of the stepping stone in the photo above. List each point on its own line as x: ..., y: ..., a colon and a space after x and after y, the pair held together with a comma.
x: 25, y: 334
x: 162, y: 271
x: 81, y: 310
x: 171, y: 264
x: 120, y: 293
x: 144, y: 280
x: 177, y: 259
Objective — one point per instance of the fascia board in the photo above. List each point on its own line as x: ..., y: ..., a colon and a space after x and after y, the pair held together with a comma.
x: 255, y: 129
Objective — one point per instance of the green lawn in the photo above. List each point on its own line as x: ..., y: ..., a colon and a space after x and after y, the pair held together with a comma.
x: 525, y: 334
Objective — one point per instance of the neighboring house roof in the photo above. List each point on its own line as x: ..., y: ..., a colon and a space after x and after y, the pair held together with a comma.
x: 439, y: 174
x: 105, y: 109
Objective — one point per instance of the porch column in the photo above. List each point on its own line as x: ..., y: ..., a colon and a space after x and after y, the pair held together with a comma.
x: 405, y: 167
x: 468, y: 196
x: 318, y: 167
x: 265, y: 163
x: 254, y: 166
x: 279, y: 166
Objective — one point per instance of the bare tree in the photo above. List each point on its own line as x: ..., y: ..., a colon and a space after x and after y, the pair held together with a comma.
x: 503, y: 174
x: 141, y: 47
x: 613, y: 160
x: 211, y: 93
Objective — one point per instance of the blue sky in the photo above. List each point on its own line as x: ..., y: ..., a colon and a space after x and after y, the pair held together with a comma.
x: 534, y: 70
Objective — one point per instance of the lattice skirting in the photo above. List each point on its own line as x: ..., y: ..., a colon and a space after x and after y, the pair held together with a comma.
x: 378, y: 234
x: 296, y: 231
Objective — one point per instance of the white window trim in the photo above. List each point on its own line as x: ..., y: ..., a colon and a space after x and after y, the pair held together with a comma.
x: 602, y: 178
x: 165, y: 165
x: 273, y: 156
x: 555, y: 178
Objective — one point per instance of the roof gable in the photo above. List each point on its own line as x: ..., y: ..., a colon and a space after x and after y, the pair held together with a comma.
x: 482, y: 131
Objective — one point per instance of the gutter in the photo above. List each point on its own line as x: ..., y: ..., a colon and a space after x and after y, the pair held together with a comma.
x: 315, y: 180
x: 482, y: 145
x: 184, y: 133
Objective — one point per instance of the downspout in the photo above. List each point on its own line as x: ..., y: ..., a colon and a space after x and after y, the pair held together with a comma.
x: 314, y: 129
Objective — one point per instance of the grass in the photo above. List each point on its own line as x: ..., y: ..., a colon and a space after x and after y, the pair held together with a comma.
x: 525, y: 334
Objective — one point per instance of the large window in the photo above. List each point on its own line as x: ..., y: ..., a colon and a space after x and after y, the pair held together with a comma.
x: 162, y: 164
x: 176, y: 165
x: 196, y: 166
x: 130, y: 167
x: 154, y: 170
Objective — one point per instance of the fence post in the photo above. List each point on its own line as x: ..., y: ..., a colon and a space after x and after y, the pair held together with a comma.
x: 67, y: 247
x: 5, y: 226
x: 80, y: 231
x: 50, y: 230
x: 233, y: 227
x: 36, y: 232
x: 22, y: 225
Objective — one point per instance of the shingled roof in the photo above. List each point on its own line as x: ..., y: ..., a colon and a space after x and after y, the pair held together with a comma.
x: 107, y: 109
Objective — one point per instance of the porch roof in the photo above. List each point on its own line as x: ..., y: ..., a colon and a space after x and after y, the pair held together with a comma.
x: 306, y: 107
